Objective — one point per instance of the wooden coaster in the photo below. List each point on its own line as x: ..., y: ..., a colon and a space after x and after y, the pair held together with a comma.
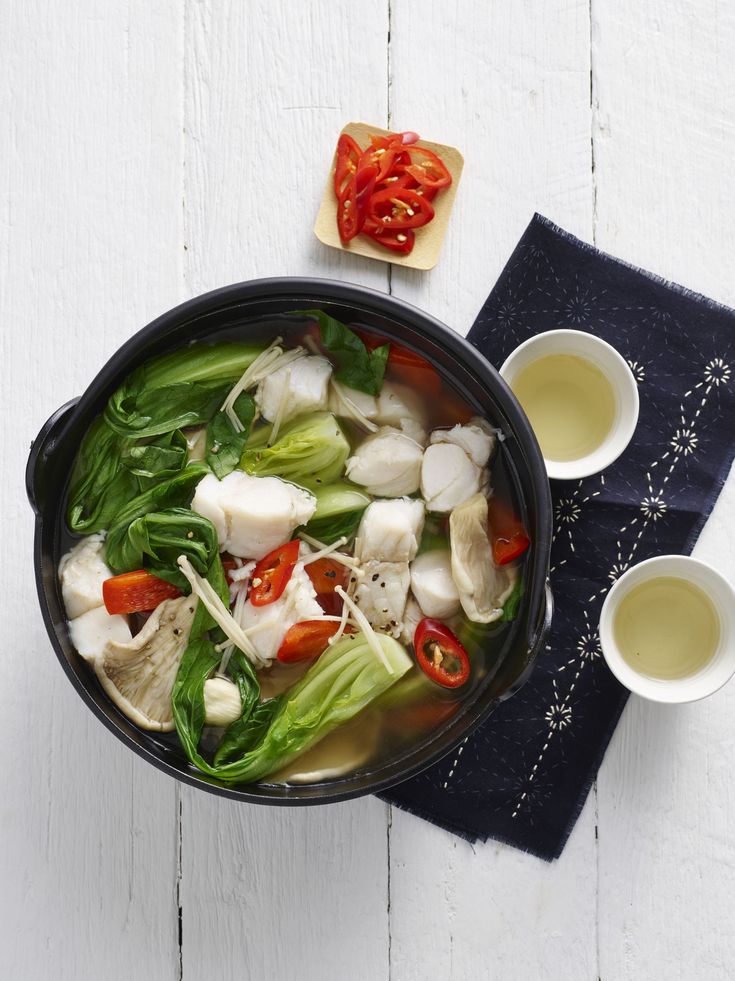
x: 428, y: 239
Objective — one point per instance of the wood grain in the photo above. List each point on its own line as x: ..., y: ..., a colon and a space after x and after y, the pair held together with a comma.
x: 514, y: 97
x: 90, y: 250
x: 664, y: 141
x: 268, y: 892
x: 154, y: 151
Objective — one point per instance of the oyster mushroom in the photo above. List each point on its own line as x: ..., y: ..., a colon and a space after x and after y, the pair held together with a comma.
x: 483, y: 586
x: 139, y: 676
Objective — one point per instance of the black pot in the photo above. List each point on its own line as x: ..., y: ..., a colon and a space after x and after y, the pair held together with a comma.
x: 54, y: 449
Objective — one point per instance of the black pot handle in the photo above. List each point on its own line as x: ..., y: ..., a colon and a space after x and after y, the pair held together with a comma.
x: 538, y: 635
x: 41, y: 449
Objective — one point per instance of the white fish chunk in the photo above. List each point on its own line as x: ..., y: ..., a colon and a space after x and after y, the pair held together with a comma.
x: 432, y: 584
x: 366, y: 405
x: 448, y: 477
x: 91, y: 632
x: 81, y: 573
x: 477, y: 439
x: 399, y: 402
x: 483, y: 586
x: 381, y: 595
x: 252, y: 515
x: 386, y: 464
x: 412, y: 617
x: 302, y: 386
x: 267, y: 625
x: 390, y: 530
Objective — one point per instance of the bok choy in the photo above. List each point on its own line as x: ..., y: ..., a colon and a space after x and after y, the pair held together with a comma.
x: 339, y: 507
x: 225, y: 443
x: 310, y: 451
x: 345, y: 679
x: 176, y: 492
x: 100, y: 485
x: 185, y: 388
x: 156, y: 540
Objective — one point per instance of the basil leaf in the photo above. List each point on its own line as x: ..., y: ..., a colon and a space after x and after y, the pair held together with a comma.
x: 176, y: 492
x: 224, y: 445
x: 100, y: 486
x: 356, y: 366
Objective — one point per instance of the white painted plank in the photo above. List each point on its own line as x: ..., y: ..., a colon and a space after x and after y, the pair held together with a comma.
x: 90, y: 249
x: 269, y: 893
x: 512, y: 93
x: 664, y: 95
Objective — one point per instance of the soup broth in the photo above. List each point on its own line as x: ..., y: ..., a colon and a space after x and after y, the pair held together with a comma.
x: 411, y: 711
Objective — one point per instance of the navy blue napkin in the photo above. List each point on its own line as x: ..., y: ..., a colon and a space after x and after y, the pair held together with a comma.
x: 523, y: 776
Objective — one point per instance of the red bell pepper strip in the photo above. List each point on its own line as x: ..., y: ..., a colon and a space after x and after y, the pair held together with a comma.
x: 136, y: 592
x: 306, y: 640
x: 509, y: 537
x: 440, y: 655
x: 272, y: 573
x: 326, y: 575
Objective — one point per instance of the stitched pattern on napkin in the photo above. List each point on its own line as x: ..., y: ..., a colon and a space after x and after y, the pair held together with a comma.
x: 523, y: 776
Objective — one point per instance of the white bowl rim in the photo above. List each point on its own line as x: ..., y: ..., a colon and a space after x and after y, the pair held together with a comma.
x: 597, y: 461
x: 676, y: 691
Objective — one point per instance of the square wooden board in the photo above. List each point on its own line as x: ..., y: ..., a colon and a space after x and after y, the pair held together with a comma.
x: 428, y: 239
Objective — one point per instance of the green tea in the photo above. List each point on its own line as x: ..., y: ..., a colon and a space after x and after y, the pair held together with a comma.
x: 569, y: 402
x: 667, y: 628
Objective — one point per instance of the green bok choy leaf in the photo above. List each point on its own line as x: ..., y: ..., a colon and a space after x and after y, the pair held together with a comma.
x: 176, y: 492
x: 310, y: 450
x: 156, y: 460
x: 339, y: 507
x: 182, y: 389
x: 345, y: 679
x: 100, y: 485
x: 156, y: 540
x: 225, y: 444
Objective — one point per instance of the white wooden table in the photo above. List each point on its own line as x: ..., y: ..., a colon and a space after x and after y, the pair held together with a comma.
x: 151, y: 151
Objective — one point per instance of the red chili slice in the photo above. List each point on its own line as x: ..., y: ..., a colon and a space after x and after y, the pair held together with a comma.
x: 348, y: 157
x: 401, y: 209
x: 136, y: 592
x: 272, y: 573
x: 440, y: 655
x: 428, y: 169
x: 354, y: 202
x: 306, y: 640
x: 509, y: 537
x: 395, y: 240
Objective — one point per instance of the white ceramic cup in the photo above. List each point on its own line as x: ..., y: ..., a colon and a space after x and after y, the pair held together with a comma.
x: 713, y: 675
x: 613, y: 366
